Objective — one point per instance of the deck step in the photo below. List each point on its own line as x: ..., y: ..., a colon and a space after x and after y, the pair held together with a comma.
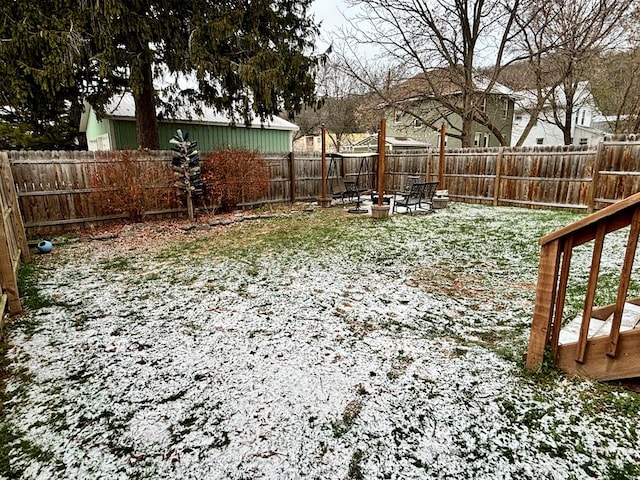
x: 570, y: 333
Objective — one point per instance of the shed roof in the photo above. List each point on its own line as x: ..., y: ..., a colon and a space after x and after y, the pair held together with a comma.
x: 122, y: 107
x: 396, y: 142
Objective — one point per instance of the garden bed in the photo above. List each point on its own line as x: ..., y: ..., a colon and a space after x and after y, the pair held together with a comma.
x: 313, y: 345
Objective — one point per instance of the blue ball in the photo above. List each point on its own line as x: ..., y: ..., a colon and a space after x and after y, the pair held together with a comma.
x: 44, y: 246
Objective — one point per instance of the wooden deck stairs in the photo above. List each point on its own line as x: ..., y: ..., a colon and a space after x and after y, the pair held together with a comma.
x: 603, y: 343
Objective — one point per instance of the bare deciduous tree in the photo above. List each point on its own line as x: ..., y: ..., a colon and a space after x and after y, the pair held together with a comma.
x: 449, y: 37
x: 340, y: 96
x: 615, y: 84
x: 615, y: 80
x: 561, y: 39
x: 460, y: 39
x: 585, y: 28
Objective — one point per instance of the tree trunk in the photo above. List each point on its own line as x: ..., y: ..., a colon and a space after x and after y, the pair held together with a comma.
x: 466, y: 135
x: 568, y: 121
x: 570, y: 95
x: 527, y: 129
x: 146, y: 122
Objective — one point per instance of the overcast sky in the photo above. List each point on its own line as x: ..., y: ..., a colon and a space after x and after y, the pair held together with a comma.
x: 331, y: 13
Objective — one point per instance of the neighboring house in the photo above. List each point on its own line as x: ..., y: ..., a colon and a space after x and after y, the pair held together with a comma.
x: 313, y: 143
x: 413, y: 102
x: 370, y: 144
x: 588, y: 135
x: 308, y: 144
x: 117, y: 129
x: 584, y: 130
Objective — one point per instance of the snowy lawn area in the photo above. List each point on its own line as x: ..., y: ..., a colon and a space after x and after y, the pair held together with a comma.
x: 316, y: 345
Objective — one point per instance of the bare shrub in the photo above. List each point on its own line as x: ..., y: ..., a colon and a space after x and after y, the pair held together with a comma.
x: 131, y: 183
x: 234, y: 176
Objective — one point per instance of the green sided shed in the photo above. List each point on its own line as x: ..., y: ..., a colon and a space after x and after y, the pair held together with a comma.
x: 212, y: 130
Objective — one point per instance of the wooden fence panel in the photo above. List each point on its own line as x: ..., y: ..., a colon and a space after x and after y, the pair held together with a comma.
x: 545, y: 177
x: 619, y: 170
x: 399, y: 165
x: 13, y: 241
x: 54, y: 189
x: 470, y: 174
x: 308, y: 177
x: 279, y: 183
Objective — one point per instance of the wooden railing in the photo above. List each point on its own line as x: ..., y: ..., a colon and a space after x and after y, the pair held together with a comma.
x: 553, y: 274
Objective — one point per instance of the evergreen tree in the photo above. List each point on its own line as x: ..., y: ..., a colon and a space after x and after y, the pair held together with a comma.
x: 40, y: 102
x: 248, y: 57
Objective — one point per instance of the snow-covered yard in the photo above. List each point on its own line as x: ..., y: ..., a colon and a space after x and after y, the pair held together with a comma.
x: 310, y: 346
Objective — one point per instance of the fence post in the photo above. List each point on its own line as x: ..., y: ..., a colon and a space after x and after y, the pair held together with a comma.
x: 443, y: 132
x: 8, y: 273
x: 292, y: 176
x: 595, y: 177
x: 382, y: 145
x: 324, y: 201
x: 496, y: 182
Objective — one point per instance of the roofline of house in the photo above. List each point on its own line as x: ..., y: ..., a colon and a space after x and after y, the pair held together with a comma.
x: 430, y: 96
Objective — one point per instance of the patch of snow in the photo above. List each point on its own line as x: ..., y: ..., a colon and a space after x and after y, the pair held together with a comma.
x: 370, y: 358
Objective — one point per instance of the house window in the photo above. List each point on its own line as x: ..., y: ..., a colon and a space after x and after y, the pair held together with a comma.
x: 397, y: 115
x: 539, y: 141
x: 483, y: 107
x: 584, y: 113
x: 476, y: 139
x: 584, y: 141
x: 485, y: 140
x: 446, y: 140
x: 505, y: 109
x: 417, y: 123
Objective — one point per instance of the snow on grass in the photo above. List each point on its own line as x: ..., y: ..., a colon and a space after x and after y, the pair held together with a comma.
x: 324, y: 346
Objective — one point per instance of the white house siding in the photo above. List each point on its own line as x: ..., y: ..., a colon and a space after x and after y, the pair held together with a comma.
x: 545, y: 131
x: 587, y: 136
x: 550, y: 134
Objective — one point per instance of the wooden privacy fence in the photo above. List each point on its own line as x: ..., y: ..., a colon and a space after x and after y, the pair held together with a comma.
x: 580, y: 178
x: 54, y: 189
x: 13, y: 242
x: 55, y: 192
x: 532, y: 177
